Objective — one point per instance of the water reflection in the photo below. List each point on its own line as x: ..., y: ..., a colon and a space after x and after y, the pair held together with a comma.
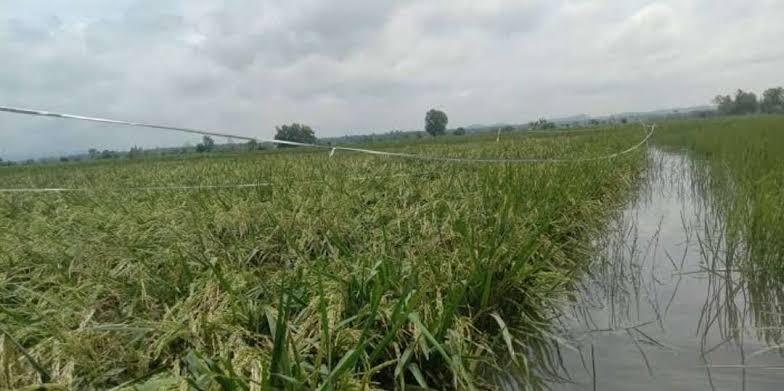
x: 667, y: 305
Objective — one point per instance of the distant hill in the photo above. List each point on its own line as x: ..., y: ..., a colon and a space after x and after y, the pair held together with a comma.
x: 572, y: 119
x: 661, y: 113
x: 585, y: 118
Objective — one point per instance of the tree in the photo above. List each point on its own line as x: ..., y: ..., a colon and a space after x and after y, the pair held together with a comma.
x: 295, y: 132
x: 746, y: 102
x: 207, y: 144
x: 773, y: 100
x: 459, y: 131
x: 508, y: 128
x: 725, y: 104
x: 542, y: 124
x: 435, y: 122
x: 135, y: 152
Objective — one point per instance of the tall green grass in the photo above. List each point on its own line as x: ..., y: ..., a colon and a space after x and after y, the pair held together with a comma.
x: 744, y: 173
x: 349, y: 272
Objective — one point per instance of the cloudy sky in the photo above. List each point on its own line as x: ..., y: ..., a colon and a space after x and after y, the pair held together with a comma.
x: 356, y: 66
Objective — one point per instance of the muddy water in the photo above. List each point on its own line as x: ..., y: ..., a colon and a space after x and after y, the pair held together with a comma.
x: 665, y: 307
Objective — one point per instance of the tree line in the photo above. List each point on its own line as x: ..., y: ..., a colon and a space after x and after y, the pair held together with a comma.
x: 746, y: 102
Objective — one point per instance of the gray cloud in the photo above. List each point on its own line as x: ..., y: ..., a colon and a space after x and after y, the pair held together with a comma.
x: 351, y: 65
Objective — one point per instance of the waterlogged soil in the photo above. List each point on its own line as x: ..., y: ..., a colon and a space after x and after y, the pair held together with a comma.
x: 664, y: 308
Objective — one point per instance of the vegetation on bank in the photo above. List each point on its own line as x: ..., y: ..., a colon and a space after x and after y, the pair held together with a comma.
x: 349, y: 272
x: 744, y: 172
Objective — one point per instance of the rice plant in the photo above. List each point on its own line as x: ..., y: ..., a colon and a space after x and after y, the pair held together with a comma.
x: 345, y: 272
x: 744, y: 173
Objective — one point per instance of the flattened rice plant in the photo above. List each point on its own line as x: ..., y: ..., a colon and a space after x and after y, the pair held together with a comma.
x: 349, y: 272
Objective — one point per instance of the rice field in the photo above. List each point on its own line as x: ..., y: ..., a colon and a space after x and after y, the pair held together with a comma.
x: 342, y: 272
x: 363, y: 272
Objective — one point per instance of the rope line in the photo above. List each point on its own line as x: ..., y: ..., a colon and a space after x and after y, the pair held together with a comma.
x: 153, y: 188
x: 174, y: 188
x: 332, y: 149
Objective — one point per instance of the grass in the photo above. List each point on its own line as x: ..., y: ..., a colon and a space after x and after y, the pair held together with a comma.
x: 743, y: 172
x: 350, y: 272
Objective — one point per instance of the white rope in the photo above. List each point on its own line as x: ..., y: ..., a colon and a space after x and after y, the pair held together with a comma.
x: 153, y: 188
x: 176, y: 188
x: 332, y: 148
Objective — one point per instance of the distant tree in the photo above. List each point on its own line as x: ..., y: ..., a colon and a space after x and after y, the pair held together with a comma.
x: 207, y: 144
x: 594, y: 122
x: 624, y: 120
x: 743, y: 103
x: 295, y: 132
x: 725, y: 104
x: 435, y: 122
x: 93, y: 153
x: 507, y: 128
x: 459, y: 131
x: 746, y: 102
x: 542, y: 124
x: 773, y: 100
x: 252, y: 145
x: 135, y: 152
x: 63, y: 159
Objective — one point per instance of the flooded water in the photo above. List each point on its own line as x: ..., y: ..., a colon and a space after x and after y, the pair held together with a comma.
x: 665, y: 308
